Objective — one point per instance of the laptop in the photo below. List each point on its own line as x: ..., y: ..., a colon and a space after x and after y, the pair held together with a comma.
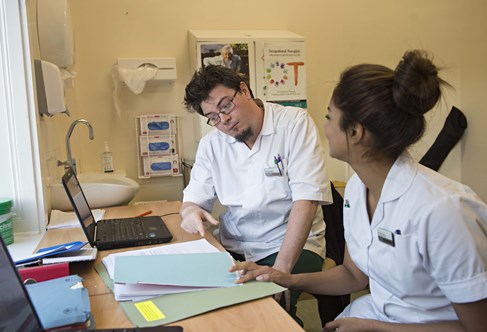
x: 113, y: 233
x: 17, y: 312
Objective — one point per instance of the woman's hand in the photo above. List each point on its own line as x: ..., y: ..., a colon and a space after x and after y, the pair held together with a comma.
x: 350, y: 325
x: 250, y: 271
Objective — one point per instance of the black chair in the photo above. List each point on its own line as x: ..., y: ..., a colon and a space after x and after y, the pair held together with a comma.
x: 330, y: 306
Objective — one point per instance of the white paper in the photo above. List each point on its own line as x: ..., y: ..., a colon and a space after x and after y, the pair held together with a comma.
x: 135, y: 79
x: 60, y: 219
x: 135, y: 292
x: 86, y: 254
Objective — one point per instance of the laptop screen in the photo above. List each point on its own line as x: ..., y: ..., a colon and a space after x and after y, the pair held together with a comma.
x: 80, y: 204
x: 16, y: 310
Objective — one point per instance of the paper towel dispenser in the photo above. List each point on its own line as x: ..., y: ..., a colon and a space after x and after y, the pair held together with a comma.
x: 166, y: 67
x: 49, y: 88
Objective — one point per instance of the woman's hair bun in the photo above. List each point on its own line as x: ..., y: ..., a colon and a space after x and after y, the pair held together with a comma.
x: 417, y: 86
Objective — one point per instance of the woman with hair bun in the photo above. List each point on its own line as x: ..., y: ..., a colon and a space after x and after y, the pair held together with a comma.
x: 415, y: 237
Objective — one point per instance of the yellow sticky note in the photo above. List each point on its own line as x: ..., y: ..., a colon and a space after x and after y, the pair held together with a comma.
x: 149, y: 311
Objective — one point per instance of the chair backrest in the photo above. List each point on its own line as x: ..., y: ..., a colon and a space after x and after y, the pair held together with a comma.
x: 333, y: 216
x: 330, y: 306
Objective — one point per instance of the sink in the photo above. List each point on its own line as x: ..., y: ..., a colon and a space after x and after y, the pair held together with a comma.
x: 101, y: 190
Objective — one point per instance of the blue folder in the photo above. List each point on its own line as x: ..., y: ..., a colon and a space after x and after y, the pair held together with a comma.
x: 51, y: 251
x: 61, y: 301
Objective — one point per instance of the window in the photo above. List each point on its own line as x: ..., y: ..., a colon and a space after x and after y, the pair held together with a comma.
x: 20, y: 171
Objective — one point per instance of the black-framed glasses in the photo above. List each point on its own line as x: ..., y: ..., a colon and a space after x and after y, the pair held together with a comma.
x: 225, y: 108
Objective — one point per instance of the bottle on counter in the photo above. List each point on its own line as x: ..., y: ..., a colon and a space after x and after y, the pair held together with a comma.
x: 107, y: 159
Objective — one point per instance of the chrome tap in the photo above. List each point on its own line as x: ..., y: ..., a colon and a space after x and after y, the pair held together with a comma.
x: 71, y: 162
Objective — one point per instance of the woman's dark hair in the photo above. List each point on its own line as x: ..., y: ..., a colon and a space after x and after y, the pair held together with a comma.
x: 390, y: 104
x: 204, y: 81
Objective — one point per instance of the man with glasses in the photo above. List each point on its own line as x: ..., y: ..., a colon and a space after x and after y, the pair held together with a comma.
x: 266, y: 167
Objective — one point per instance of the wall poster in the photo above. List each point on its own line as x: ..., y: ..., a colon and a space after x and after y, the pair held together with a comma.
x: 231, y: 55
x: 285, y: 72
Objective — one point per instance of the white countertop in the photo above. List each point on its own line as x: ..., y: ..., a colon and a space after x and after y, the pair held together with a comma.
x: 24, y: 245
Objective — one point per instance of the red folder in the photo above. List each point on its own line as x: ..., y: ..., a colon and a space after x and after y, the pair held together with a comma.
x: 44, y: 272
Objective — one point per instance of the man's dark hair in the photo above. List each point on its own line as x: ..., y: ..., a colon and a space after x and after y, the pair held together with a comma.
x: 204, y: 81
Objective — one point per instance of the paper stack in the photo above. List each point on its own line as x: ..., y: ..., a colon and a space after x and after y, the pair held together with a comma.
x: 173, y: 307
x: 166, y: 269
x: 81, y: 255
x: 51, y: 251
x: 137, y: 276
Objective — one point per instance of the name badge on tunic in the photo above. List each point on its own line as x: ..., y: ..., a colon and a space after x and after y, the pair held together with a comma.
x: 386, y: 236
x: 272, y: 171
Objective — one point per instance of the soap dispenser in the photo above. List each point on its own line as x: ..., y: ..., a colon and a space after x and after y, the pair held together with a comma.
x: 107, y: 160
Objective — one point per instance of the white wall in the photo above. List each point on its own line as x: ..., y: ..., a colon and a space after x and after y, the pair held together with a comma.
x: 337, y: 33
x: 473, y: 84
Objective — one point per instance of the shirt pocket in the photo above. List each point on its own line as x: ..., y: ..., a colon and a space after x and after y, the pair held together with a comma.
x: 400, y: 266
x: 277, y: 188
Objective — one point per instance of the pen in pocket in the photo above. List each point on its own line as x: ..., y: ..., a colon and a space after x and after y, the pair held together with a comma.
x: 276, y: 162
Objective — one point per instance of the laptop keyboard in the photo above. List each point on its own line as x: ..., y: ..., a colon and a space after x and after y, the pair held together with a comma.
x: 127, y: 229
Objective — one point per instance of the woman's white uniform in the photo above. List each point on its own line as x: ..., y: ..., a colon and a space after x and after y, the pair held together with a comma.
x: 425, y: 248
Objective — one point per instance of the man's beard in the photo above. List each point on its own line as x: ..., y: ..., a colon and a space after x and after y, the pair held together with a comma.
x: 245, y: 135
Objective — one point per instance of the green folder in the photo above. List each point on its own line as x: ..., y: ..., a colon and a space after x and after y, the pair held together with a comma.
x: 170, y: 308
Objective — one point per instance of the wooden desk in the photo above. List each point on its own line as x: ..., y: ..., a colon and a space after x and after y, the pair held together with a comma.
x: 258, y: 315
